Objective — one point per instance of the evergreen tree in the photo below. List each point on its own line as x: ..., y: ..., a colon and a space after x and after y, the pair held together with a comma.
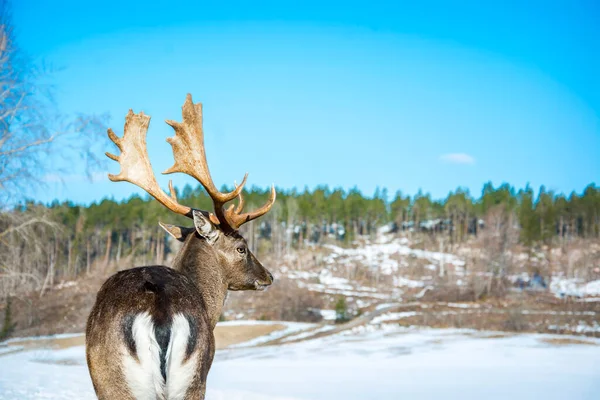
x: 8, y: 325
x: 341, y: 311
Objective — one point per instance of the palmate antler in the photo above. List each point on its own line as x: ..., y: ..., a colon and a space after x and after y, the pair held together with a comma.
x: 190, y: 159
x: 135, y: 165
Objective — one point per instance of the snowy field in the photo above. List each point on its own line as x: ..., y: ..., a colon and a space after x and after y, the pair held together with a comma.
x: 365, y: 363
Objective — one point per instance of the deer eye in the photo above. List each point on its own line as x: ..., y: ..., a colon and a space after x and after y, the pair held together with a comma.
x: 241, y: 250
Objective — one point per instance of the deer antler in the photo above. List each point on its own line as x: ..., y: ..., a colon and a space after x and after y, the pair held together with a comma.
x: 135, y: 165
x: 235, y: 217
x: 190, y: 159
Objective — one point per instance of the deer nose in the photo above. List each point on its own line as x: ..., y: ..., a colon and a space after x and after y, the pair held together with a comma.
x: 271, y: 276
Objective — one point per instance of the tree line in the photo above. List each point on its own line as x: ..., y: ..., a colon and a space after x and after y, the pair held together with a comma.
x: 540, y: 218
x: 73, y: 239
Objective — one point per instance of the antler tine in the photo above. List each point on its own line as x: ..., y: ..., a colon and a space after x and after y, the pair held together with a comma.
x: 190, y: 158
x: 240, y: 206
x: 232, y: 209
x: 172, y: 190
x: 189, y: 153
x: 135, y: 165
x: 236, y: 219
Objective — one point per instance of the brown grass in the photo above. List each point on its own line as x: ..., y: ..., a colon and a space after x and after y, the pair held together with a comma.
x: 228, y: 335
x: 224, y: 336
x: 513, y: 314
x: 566, y: 341
x: 53, y: 343
x: 496, y: 336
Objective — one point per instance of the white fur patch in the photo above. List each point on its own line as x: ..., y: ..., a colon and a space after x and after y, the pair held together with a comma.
x: 143, y: 377
x: 179, y: 373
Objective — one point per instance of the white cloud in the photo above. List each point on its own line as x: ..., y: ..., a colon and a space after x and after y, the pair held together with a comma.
x: 458, y: 158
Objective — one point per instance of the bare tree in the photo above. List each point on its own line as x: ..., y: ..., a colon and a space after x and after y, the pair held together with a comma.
x: 34, y: 138
x: 31, y: 126
x: 500, y: 236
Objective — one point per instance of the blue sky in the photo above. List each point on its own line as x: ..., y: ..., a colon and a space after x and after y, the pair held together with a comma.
x: 404, y: 95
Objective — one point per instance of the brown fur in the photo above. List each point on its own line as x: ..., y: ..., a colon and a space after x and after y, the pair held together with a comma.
x: 209, y: 263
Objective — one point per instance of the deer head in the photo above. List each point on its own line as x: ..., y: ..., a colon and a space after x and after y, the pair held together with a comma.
x: 214, y: 239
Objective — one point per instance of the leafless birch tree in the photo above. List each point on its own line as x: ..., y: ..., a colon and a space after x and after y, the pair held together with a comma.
x: 34, y: 138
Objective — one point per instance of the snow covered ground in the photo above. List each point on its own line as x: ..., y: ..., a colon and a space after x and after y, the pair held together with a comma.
x: 368, y: 362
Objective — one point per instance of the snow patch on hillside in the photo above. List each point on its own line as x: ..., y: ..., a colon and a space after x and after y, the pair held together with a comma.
x: 400, y: 281
x: 387, y: 254
x: 562, y: 287
x: 394, y: 316
x: 329, y: 284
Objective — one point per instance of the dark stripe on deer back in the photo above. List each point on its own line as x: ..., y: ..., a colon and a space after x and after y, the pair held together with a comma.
x: 155, y: 281
x: 127, y: 328
x: 193, y: 339
x: 162, y: 332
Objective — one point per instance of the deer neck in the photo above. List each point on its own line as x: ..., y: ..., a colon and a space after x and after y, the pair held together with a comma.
x: 198, y: 261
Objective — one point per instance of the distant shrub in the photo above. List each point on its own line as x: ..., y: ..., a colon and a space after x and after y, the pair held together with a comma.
x: 7, y: 326
x: 515, y: 320
x: 283, y: 301
x: 341, y: 311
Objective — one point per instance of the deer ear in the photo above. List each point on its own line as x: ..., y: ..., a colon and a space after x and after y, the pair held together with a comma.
x: 204, y: 227
x: 178, y: 232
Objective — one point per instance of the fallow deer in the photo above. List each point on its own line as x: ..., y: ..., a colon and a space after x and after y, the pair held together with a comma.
x: 150, y: 332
